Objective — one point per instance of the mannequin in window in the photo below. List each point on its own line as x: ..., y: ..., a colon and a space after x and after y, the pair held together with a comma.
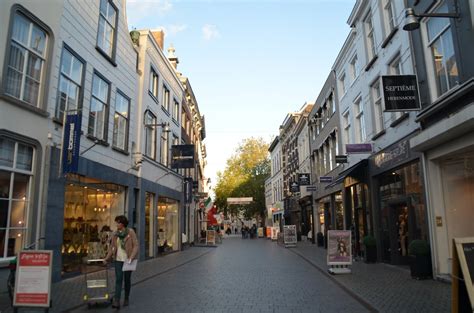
x: 402, y: 233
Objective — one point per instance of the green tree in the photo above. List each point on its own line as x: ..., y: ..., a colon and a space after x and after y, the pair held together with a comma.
x: 244, y: 176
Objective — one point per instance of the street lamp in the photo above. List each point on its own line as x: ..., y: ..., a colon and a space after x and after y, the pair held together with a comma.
x: 412, y: 22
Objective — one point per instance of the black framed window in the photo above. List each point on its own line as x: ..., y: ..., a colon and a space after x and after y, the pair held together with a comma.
x: 70, y: 83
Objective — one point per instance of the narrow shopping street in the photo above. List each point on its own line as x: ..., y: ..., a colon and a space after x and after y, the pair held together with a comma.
x: 241, y: 276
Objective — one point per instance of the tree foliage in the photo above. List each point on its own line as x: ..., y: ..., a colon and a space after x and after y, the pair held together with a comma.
x: 244, y: 176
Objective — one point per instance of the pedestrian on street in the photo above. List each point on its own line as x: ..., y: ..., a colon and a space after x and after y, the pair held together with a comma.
x: 123, y: 249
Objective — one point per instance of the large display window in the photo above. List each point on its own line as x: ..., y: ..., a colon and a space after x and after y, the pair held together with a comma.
x: 168, y: 230
x: 16, y: 174
x: 90, y: 208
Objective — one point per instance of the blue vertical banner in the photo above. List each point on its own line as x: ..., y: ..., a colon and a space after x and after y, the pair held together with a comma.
x: 71, y: 143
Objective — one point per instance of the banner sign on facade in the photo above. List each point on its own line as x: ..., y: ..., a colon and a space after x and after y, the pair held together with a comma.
x: 33, y: 279
x: 182, y: 156
x: 359, y: 148
x: 304, y: 179
x: 311, y: 188
x: 341, y: 159
x: 400, y: 93
x: 289, y: 235
x: 71, y: 143
x: 339, y: 247
x: 242, y: 200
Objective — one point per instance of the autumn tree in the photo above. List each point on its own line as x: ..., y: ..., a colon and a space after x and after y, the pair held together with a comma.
x: 244, y: 176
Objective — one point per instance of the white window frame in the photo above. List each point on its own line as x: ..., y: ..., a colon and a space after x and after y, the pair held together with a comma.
x: 70, y: 82
x: 342, y: 85
x: 108, y: 24
x: 150, y: 134
x: 166, y: 98
x: 378, y: 122
x: 14, y: 170
x: 94, y: 122
x: 29, y: 54
x: 125, y: 118
x: 369, y: 36
x: 360, y: 130
x: 175, y: 110
x: 346, y: 119
x: 164, y: 147
x: 354, y: 66
x: 153, y: 84
x: 389, y: 16
x: 436, y: 90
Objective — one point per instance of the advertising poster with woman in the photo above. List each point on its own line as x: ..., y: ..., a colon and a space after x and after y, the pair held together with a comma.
x: 339, y: 247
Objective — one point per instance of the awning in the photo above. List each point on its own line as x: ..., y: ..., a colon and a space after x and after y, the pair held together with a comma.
x: 355, y: 170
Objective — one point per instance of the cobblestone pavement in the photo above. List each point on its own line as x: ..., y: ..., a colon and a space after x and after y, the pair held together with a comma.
x: 260, y: 276
x: 242, y: 276
x: 388, y: 288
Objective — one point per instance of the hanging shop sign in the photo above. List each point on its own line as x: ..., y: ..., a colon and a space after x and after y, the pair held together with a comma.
x: 33, y: 279
x: 311, y: 188
x: 341, y: 158
x: 182, y: 156
x: 359, y: 148
x: 325, y: 179
x: 339, y: 247
x: 463, y: 275
x: 393, y: 155
x: 304, y: 179
x: 289, y: 235
x: 400, y: 93
x: 294, y: 186
x: 71, y: 143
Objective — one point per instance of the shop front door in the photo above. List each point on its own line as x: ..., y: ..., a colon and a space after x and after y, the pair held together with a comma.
x: 399, y: 233
x: 360, y: 230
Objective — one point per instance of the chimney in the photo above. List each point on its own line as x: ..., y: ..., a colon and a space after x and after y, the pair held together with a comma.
x: 172, y: 57
x: 159, y: 36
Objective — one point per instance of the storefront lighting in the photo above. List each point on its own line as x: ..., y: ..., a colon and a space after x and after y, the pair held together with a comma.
x: 161, y: 217
x: 20, y: 222
x: 19, y: 235
x: 85, y: 187
x: 95, y: 209
x: 24, y: 198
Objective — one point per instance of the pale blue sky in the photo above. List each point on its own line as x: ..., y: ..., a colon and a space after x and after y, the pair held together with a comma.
x: 249, y: 62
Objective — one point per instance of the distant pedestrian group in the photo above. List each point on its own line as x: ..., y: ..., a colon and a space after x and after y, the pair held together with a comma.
x: 249, y: 232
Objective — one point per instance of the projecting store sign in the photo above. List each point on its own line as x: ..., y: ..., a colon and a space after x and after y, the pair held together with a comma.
x: 294, y: 187
x: 325, y: 179
x: 71, y: 143
x: 182, y: 156
x: 358, y: 148
x: 303, y: 179
x: 400, y: 93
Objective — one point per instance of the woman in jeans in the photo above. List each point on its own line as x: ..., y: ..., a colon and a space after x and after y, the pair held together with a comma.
x: 123, y: 248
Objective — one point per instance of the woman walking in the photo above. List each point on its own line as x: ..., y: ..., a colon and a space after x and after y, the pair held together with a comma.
x: 124, y: 250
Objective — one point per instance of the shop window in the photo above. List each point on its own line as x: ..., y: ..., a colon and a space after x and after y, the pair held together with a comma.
x: 149, y: 199
x: 90, y: 207
x: 16, y: 170
x: 168, y: 230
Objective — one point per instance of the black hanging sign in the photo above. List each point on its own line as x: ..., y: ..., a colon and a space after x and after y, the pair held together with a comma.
x: 182, y: 156
x: 400, y: 93
x: 294, y: 186
x: 304, y: 179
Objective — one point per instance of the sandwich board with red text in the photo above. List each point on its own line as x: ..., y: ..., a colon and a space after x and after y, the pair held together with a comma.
x: 33, y: 279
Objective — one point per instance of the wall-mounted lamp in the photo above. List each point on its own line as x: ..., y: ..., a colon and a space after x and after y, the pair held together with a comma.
x: 412, y: 22
x: 164, y: 125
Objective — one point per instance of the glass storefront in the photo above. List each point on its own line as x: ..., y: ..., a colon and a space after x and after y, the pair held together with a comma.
x: 339, y: 211
x: 90, y: 208
x: 16, y: 174
x: 403, y: 213
x: 168, y: 230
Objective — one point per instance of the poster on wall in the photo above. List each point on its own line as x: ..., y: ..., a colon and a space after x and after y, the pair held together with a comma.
x: 339, y: 247
x: 33, y: 279
x: 462, y: 299
x: 260, y: 232
x: 289, y: 234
